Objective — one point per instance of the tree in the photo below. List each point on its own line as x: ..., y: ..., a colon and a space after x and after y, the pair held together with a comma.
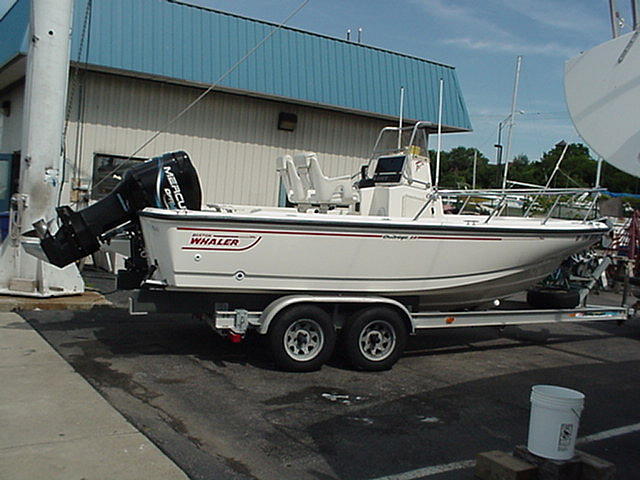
x: 456, y: 168
x: 577, y: 170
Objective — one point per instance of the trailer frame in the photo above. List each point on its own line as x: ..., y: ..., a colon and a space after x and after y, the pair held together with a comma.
x: 341, y: 311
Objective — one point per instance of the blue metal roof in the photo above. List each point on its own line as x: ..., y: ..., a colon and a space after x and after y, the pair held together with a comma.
x: 13, y: 31
x: 173, y: 40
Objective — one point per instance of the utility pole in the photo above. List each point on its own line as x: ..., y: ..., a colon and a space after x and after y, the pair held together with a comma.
x: 41, y: 162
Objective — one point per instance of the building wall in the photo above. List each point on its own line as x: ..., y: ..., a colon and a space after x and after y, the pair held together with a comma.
x: 233, y: 140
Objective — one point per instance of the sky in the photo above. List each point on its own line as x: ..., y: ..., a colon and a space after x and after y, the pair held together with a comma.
x: 481, y: 39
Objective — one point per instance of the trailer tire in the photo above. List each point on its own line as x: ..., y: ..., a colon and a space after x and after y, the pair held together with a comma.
x: 302, y: 338
x: 553, y: 298
x: 374, y: 338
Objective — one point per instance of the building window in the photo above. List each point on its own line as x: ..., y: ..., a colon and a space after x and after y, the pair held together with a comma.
x: 108, y: 171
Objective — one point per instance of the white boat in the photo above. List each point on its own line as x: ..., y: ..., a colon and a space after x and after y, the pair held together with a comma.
x: 385, y: 235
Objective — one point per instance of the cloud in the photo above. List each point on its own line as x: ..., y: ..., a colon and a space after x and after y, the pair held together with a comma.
x: 465, y: 16
x: 559, y: 15
x: 549, y: 49
x: 483, y: 34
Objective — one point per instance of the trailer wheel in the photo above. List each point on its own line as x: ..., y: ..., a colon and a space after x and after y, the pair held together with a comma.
x: 302, y: 338
x: 375, y: 338
x: 553, y: 298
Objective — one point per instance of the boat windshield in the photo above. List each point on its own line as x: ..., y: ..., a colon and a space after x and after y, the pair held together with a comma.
x: 394, y: 139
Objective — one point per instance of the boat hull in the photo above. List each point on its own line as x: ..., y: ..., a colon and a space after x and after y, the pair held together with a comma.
x: 444, y: 266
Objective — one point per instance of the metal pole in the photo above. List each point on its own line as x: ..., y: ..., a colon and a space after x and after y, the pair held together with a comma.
x: 41, y: 161
x: 512, y: 120
x: 635, y: 10
x: 550, y: 179
x: 400, y: 121
x: 499, y: 146
x: 439, y: 133
x: 613, y: 13
x: 599, y: 172
x: 557, y: 166
x: 475, y: 165
x: 499, y: 153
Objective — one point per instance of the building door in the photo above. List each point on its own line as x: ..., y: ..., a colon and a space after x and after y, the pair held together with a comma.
x: 5, y: 181
x: 9, y: 177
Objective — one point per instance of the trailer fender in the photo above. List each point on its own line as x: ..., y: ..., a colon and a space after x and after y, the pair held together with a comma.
x: 281, y: 303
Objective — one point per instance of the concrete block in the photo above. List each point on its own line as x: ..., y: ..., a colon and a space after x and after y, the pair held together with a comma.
x: 497, y: 465
x: 594, y: 468
x: 551, y: 469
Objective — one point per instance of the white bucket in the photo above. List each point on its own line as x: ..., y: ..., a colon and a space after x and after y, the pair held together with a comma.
x: 554, y: 420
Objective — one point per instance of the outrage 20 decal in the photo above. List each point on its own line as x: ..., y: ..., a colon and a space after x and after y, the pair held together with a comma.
x: 214, y: 241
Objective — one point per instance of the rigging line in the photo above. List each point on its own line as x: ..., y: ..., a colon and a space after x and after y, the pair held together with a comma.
x: 486, y: 141
x: 209, y: 89
x: 79, y: 143
x: 76, y: 72
x: 569, y: 177
x: 86, y: 30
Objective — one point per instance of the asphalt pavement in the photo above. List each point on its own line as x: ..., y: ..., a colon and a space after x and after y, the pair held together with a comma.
x: 99, y: 394
x: 220, y: 410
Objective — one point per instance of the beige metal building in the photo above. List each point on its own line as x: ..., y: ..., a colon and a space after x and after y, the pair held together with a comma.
x: 299, y: 92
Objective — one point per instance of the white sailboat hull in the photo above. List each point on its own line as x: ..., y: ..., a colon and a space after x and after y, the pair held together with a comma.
x: 602, y: 88
x: 451, y: 261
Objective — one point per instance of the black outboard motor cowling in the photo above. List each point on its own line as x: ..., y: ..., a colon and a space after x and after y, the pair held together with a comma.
x: 169, y: 181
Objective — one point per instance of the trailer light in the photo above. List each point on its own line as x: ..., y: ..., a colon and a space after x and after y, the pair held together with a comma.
x: 235, y: 337
x: 450, y: 320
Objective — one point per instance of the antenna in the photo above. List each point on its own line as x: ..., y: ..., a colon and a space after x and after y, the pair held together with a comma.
x: 439, y: 133
x: 512, y: 120
x: 400, y: 121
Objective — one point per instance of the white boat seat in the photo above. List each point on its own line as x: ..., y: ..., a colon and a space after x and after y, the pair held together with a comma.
x: 301, y: 163
x: 324, y: 190
x: 296, y: 191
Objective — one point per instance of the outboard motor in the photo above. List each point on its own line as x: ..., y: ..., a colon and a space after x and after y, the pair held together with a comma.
x: 169, y: 181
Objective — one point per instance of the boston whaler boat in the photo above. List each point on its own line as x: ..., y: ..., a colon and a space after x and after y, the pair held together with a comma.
x: 387, y: 236
x: 378, y: 238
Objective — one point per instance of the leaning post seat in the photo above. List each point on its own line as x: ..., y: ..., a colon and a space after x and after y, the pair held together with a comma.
x: 293, y: 184
x: 169, y: 181
x: 337, y: 191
